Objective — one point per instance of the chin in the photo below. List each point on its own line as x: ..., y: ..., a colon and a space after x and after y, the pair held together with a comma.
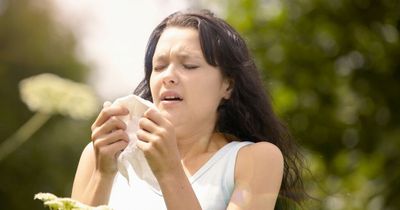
x: 171, y: 117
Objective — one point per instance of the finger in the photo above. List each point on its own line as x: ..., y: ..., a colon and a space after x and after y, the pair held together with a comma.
x: 142, y: 145
x: 118, y: 135
x: 115, y: 148
x: 108, y: 112
x: 145, y: 136
x: 148, y: 125
x: 106, y: 104
x: 112, y: 124
x: 155, y: 116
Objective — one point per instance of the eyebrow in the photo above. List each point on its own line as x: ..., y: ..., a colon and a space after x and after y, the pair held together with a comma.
x: 182, y: 56
x: 189, y: 55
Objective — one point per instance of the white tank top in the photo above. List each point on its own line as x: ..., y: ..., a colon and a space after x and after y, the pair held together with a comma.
x: 213, y: 185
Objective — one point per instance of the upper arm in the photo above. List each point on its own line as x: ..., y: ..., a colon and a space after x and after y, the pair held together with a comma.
x: 84, y: 171
x: 258, y: 177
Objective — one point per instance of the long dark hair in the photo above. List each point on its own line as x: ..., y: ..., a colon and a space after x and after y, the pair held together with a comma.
x: 248, y: 114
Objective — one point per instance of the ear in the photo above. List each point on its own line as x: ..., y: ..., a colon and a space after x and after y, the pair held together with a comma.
x: 227, y: 88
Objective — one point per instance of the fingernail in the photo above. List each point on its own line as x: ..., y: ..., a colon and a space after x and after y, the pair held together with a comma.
x: 106, y: 104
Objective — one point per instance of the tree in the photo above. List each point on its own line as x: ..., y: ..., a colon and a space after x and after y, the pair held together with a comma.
x: 332, y: 68
x: 32, y: 43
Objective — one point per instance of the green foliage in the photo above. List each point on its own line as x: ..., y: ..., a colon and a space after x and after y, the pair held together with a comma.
x: 333, y: 70
x: 331, y: 66
x: 55, y: 203
x: 30, y: 44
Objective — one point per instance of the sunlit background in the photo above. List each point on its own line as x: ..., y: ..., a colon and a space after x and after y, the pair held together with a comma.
x: 112, y: 37
x: 332, y: 68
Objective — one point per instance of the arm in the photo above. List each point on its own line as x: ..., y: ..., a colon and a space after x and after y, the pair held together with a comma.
x: 258, y: 177
x: 90, y: 186
x: 178, y: 192
x: 156, y: 138
x: 98, y: 163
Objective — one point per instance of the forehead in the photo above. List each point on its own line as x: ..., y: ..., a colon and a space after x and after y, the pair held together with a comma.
x: 179, y: 40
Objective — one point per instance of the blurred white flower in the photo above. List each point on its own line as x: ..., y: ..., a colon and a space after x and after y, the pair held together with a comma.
x: 45, y: 196
x: 54, y: 202
x: 49, y: 93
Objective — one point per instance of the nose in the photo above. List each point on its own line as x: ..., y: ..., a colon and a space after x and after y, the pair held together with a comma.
x: 170, y: 77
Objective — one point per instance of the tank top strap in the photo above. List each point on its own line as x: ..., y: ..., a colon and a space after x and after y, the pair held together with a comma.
x: 231, y: 163
x: 226, y: 155
x: 215, y: 181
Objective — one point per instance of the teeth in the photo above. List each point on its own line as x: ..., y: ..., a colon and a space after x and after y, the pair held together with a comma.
x: 171, y: 98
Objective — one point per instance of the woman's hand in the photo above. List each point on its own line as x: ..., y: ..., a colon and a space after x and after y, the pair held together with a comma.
x: 109, y: 138
x: 157, y: 140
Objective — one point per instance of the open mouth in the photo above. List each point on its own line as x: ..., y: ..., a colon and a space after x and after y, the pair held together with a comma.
x: 172, y: 98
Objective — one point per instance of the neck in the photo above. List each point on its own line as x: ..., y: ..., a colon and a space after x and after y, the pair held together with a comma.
x: 201, y: 140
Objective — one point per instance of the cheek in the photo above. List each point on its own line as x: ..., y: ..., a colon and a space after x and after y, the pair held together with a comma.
x: 209, y: 95
x: 154, y: 87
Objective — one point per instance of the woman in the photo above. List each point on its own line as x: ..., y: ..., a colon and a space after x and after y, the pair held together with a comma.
x: 212, y: 143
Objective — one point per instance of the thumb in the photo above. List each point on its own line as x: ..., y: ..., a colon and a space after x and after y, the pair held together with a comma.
x: 106, y: 104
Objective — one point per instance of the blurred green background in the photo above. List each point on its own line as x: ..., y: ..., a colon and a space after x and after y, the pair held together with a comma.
x: 332, y: 68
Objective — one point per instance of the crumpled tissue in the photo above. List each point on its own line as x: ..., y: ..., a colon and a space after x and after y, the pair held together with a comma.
x: 132, y: 156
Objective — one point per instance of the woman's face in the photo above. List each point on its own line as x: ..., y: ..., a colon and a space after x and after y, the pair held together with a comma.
x: 185, y: 88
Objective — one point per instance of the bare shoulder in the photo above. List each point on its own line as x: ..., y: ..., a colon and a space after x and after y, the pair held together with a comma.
x: 261, y: 152
x: 258, y: 175
x: 262, y: 159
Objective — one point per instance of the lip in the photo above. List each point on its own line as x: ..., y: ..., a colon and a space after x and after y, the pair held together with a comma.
x: 170, y: 93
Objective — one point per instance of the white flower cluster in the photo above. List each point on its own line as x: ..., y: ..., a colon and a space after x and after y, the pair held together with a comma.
x: 56, y: 203
x: 52, y: 94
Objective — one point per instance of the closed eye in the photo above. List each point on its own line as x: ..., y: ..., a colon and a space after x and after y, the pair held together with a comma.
x: 158, y: 67
x: 190, y: 66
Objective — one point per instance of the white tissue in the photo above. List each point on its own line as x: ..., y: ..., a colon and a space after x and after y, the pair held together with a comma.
x: 132, y: 156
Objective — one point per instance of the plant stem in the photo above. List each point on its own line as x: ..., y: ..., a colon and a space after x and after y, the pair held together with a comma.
x: 23, y: 134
